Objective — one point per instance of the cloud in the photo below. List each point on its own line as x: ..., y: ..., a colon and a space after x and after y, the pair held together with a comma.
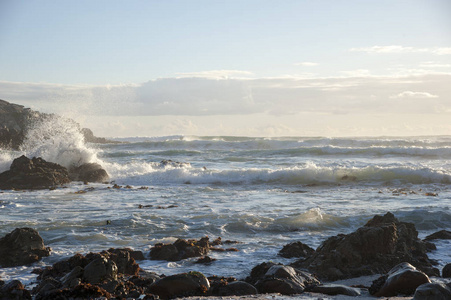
x: 396, y: 49
x: 217, y: 74
x: 410, y: 94
x: 432, y: 64
x: 307, y: 64
x: 356, y: 93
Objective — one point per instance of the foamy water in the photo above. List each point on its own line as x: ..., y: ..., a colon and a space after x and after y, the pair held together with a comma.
x: 262, y: 192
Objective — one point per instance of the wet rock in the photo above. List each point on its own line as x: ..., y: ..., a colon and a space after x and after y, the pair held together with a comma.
x: 34, y: 173
x: 186, y: 284
x: 81, y: 291
x: 174, y: 164
x: 73, y: 278
x: 180, y: 249
x: 124, y: 261
x: 446, y: 272
x: 91, y: 138
x: 21, y: 247
x: 439, y: 235
x: 89, y: 172
x: 275, y: 278
x: 14, y: 290
x: 372, y: 249
x: 205, y: 260
x: 335, y: 289
x: 100, y: 270
x: 236, y: 288
x: 296, y: 249
x: 433, y: 291
x: 402, y: 279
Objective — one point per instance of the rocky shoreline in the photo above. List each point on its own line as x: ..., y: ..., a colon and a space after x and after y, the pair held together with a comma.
x: 383, y: 246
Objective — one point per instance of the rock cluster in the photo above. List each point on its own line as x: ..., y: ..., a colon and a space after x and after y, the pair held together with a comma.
x: 180, y: 249
x: 34, y: 173
x: 372, y: 249
x: 37, y: 173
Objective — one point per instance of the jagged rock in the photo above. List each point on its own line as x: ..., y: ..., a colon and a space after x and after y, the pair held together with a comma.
x: 124, y: 261
x: 186, y: 284
x: 35, y: 173
x: 174, y: 164
x: 73, y: 278
x: 180, y: 249
x: 14, y: 290
x: 91, y: 138
x: 433, y: 291
x: 439, y: 235
x: 446, y: 272
x: 296, y: 249
x: 372, y: 249
x: 21, y: 247
x: 335, y: 289
x: 99, y: 270
x: 276, y: 278
x: 402, y: 279
x: 89, y: 172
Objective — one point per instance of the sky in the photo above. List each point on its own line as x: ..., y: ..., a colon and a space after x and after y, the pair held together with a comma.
x: 237, y: 67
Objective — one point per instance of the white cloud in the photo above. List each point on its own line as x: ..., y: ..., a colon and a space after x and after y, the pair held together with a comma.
x: 396, y: 49
x: 410, y: 94
x: 307, y: 64
x: 432, y: 64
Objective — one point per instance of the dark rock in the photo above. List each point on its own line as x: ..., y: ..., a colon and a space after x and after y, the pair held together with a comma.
x: 286, y: 280
x: 35, y: 173
x: 335, y: 289
x: 186, y: 284
x: 432, y: 291
x: 91, y: 138
x: 446, y: 272
x: 236, y: 288
x: 205, y: 260
x: 81, y: 291
x: 21, y: 247
x: 124, y: 261
x: 296, y: 249
x: 89, y: 172
x: 174, y: 164
x: 439, y: 235
x: 181, y: 249
x: 402, y: 279
x: 73, y: 278
x: 372, y: 249
x: 14, y: 290
x: 99, y: 270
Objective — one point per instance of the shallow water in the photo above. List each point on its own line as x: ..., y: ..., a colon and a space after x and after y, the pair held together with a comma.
x: 261, y: 192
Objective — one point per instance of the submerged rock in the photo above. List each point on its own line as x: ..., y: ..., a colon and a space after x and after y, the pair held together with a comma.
x: 296, y: 249
x: 402, y: 279
x: 35, y: 173
x: 439, y: 235
x: 21, y: 247
x: 89, y: 172
x: 372, y: 249
x: 180, y: 249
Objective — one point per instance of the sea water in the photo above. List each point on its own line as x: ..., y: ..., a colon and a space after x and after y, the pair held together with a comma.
x: 260, y: 192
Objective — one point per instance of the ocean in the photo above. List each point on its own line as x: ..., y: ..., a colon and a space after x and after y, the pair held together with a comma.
x: 261, y: 192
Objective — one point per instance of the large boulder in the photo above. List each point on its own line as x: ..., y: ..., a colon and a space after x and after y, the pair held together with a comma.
x: 403, y: 279
x: 269, y: 277
x: 14, y: 290
x: 13, y: 122
x: 433, y: 291
x: 372, y: 249
x: 186, y: 284
x: 21, y: 247
x: 439, y: 235
x: 89, y: 172
x: 296, y: 249
x: 34, y: 173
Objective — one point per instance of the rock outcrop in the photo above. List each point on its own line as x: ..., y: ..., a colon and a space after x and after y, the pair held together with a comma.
x: 34, y: 173
x: 186, y: 284
x: 374, y: 248
x: 180, y: 249
x: 90, y: 172
x: 21, y: 247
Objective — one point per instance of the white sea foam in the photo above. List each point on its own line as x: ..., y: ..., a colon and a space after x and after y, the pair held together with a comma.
x: 58, y: 140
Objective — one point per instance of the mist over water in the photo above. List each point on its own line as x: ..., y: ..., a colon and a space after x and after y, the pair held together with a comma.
x: 262, y: 192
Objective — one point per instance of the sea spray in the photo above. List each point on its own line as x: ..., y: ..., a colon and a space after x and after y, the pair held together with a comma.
x: 59, y: 140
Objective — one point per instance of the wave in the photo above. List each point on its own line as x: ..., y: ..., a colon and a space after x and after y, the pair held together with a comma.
x: 140, y: 173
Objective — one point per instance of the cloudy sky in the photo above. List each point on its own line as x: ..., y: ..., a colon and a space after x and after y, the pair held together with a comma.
x: 253, y: 67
